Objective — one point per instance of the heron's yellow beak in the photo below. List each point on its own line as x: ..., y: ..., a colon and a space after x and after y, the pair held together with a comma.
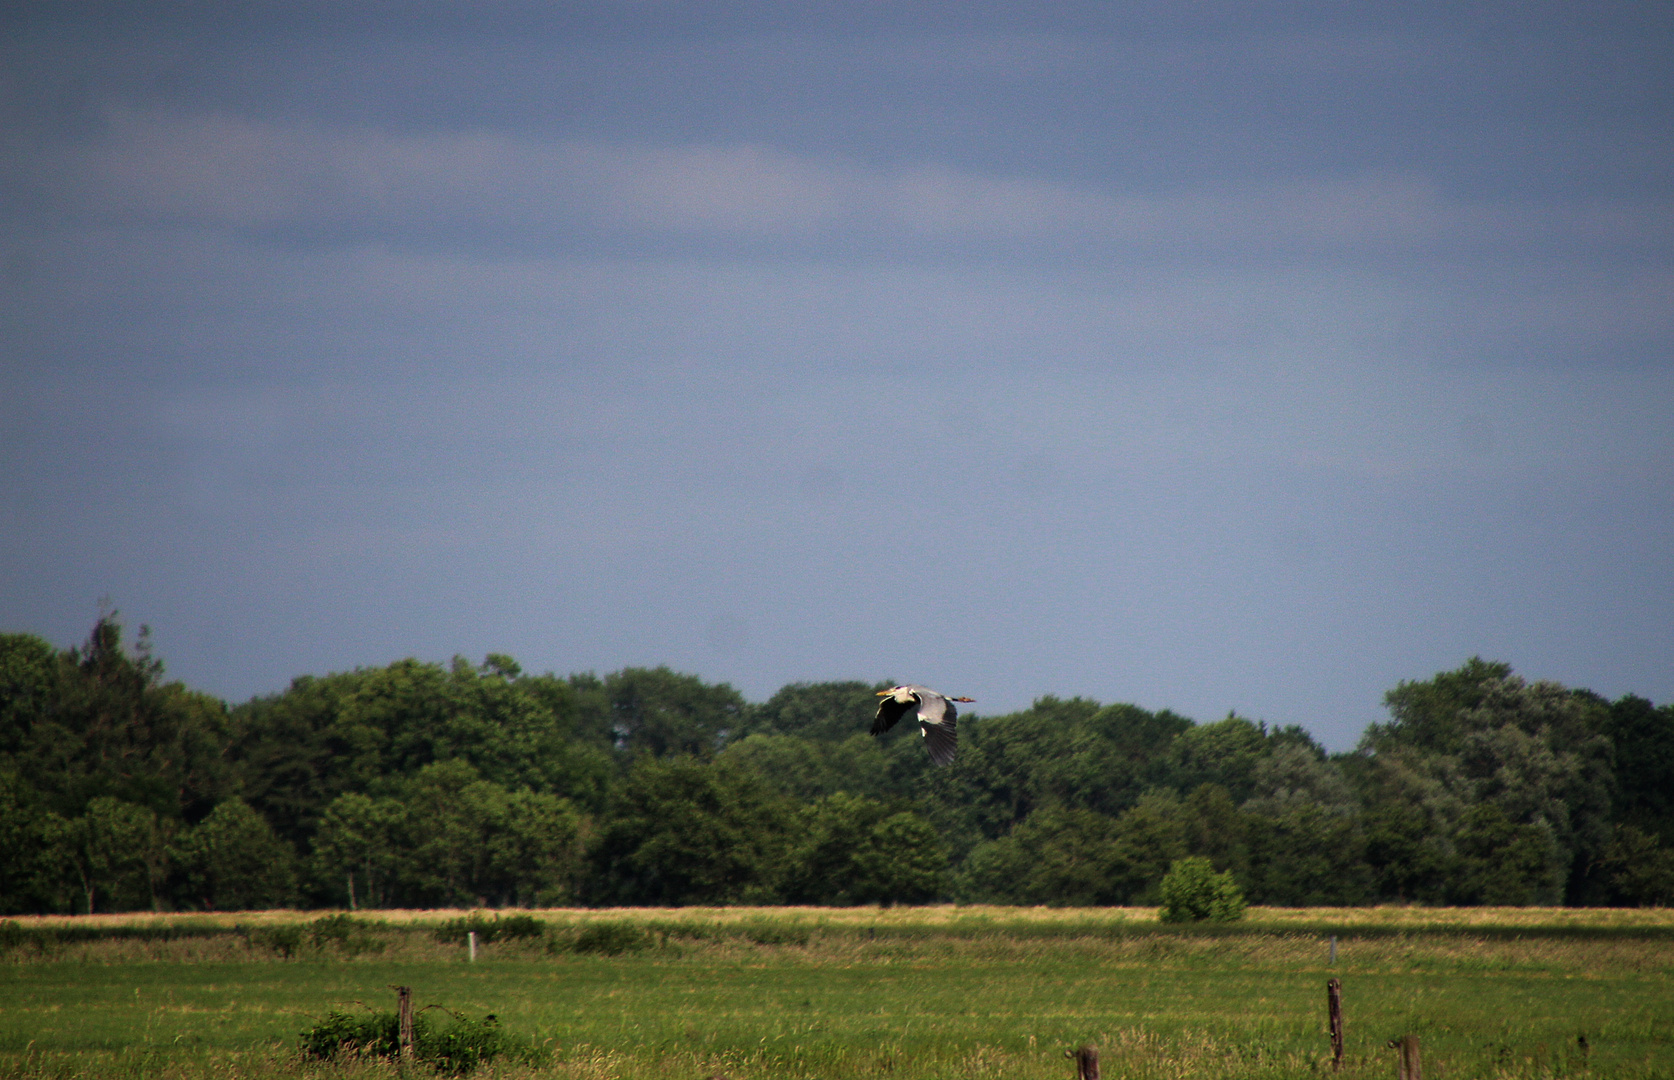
x: 884, y: 693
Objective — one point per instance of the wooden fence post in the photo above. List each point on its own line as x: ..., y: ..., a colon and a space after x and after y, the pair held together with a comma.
x: 471, y: 935
x: 1334, y: 1012
x: 1408, y: 1067
x: 1086, y: 1062
x: 404, y: 1020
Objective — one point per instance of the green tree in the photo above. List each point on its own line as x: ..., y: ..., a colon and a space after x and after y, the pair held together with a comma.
x: 34, y: 875
x: 1226, y: 753
x: 107, y: 725
x: 1537, y: 753
x: 1149, y: 837
x: 1193, y: 892
x: 1432, y: 715
x: 807, y: 769
x: 349, y: 732
x: 1070, y: 753
x: 451, y: 817
x: 28, y: 672
x: 1305, y: 855
x: 1216, y: 828
x: 822, y: 712
x: 665, y: 713
x: 1640, y: 868
x: 679, y: 832
x: 1502, y: 862
x: 1060, y: 856
x: 114, y: 851
x: 233, y: 861
x: 537, y: 855
x: 1408, y: 852
x: 855, y: 850
x: 358, y: 841
x: 1643, y: 737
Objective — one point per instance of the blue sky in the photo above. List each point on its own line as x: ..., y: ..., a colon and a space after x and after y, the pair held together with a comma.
x: 1211, y: 357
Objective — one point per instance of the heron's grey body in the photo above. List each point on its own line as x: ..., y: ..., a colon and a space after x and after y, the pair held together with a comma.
x: 938, y: 719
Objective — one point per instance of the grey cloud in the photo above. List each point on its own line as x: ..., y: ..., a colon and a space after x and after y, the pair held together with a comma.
x: 223, y: 171
x: 1233, y: 357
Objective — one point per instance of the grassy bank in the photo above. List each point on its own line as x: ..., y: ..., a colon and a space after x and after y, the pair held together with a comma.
x: 936, y: 992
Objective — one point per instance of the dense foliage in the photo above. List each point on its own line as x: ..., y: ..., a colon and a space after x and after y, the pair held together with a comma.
x: 455, y: 1049
x: 422, y: 785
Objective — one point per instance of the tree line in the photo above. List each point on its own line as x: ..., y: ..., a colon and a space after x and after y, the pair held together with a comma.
x: 419, y: 784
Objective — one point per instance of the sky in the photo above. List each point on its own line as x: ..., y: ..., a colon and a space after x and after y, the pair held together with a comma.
x: 1213, y: 357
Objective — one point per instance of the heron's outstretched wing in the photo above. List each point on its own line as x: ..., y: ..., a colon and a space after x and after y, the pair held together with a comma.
x: 933, y: 706
x: 942, y: 738
x: 889, y: 712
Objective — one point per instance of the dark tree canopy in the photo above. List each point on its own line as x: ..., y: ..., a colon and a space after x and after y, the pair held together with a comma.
x: 419, y: 783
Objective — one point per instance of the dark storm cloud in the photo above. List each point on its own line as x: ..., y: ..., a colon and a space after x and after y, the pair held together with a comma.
x: 1246, y: 356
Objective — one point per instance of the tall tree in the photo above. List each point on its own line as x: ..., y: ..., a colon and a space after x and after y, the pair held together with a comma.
x: 680, y: 832
x: 233, y: 861
x: 855, y: 850
x: 663, y: 712
x: 107, y: 725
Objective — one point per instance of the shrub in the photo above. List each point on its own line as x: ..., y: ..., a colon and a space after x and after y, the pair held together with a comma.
x: 510, y: 928
x: 284, y: 940
x: 371, y: 1034
x: 352, y: 936
x: 454, y: 1050
x: 611, y: 939
x: 1193, y: 892
x: 769, y: 933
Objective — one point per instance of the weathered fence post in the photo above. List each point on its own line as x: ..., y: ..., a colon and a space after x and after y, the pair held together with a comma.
x: 1407, y: 1068
x: 471, y: 936
x: 1334, y: 1012
x: 1086, y: 1062
x: 404, y: 1021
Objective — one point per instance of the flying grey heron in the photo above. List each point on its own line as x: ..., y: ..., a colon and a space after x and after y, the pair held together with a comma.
x: 937, y: 718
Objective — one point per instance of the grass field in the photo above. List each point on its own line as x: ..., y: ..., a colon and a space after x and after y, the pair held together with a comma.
x: 899, y: 994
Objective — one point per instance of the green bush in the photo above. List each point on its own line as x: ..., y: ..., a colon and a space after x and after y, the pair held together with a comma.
x: 454, y: 1050
x: 283, y: 940
x: 611, y: 939
x: 1193, y: 892
x: 370, y: 1034
x: 510, y: 928
x: 350, y: 935
x: 770, y: 933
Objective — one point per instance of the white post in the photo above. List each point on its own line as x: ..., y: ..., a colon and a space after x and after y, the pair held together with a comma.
x: 471, y: 936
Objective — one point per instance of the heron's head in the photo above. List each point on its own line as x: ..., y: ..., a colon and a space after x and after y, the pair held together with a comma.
x: 899, y: 693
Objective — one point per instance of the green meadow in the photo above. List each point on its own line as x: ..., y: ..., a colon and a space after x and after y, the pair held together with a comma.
x: 861, y: 992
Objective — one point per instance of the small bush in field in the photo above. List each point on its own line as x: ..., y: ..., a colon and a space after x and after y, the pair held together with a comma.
x: 510, y: 928
x: 350, y: 935
x: 284, y: 940
x: 369, y: 1034
x: 453, y: 1051
x: 611, y: 939
x: 1193, y: 892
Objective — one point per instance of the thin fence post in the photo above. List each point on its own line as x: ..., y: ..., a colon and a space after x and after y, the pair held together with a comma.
x: 404, y: 1015
x: 1334, y: 1011
x: 1407, y: 1067
x: 471, y: 937
x: 1086, y: 1062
